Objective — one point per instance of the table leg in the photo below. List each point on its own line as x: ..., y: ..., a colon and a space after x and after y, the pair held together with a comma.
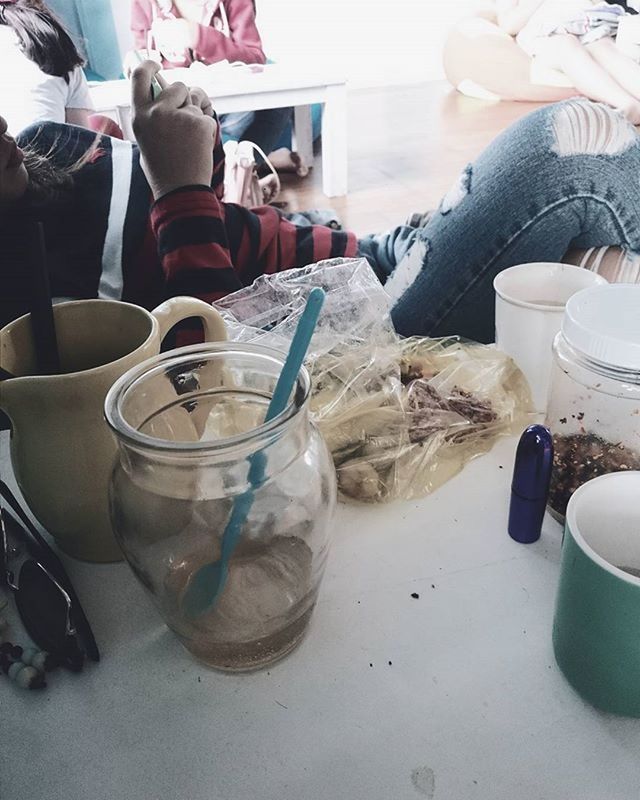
x: 334, y: 142
x: 303, y: 134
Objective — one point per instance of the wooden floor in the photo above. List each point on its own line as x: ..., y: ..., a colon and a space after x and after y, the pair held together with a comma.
x: 406, y: 147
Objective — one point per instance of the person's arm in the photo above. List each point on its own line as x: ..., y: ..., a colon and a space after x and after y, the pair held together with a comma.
x: 176, y: 135
x: 197, y: 236
x: 77, y: 116
x: 513, y: 15
x: 189, y: 227
x: 141, y: 20
x: 208, y: 248
x: 243, y: 42
x: 79, y: 104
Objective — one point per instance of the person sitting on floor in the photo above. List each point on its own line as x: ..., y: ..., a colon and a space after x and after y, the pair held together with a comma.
x: 209, y: 31
x: 143, y: 223
x: 41, y: 75
x: 577, y: 38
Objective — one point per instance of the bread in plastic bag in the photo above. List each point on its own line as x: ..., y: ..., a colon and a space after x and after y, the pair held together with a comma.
x: 400, y: 416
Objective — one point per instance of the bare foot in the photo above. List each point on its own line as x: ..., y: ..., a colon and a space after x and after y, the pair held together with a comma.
x: 285, y: 160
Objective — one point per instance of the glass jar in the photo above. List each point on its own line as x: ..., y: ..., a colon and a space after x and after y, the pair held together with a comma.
x: 594, y: 402
x: 187, y: 424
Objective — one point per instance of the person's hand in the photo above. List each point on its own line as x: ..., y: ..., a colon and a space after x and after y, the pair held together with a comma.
x: 202, y: 100
x: 173, y: 37
x: 175, y: 135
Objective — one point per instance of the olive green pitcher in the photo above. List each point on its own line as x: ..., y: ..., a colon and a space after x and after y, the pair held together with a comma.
x: 61, y: 449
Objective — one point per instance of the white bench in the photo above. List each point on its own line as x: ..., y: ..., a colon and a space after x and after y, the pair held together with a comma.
x: 274, y: 86
x: 389, y: 697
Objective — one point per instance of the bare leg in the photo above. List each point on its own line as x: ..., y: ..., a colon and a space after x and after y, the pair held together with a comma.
x: 478, y: 51
x: 591, y: 79
x: 622, y: 68
x: 615, y: 264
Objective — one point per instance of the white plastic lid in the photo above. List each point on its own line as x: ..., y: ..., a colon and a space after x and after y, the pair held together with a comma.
x: 603, y: 322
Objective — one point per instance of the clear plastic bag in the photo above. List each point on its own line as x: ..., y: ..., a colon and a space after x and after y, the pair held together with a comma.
x: 400, y: 416
x: 355, y: 311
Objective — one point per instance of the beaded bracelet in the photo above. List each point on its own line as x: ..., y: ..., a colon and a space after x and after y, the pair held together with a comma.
x: 24, y: 666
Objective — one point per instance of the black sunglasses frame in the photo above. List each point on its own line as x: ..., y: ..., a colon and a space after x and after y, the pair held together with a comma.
x: 59, y: 640
x: 13, y: 581
x: 46, y: 560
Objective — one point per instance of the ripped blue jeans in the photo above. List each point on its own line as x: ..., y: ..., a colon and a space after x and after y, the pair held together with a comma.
x: 566, y: 176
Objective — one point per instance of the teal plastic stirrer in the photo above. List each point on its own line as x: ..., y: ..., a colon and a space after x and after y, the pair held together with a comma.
x: 209, y: 580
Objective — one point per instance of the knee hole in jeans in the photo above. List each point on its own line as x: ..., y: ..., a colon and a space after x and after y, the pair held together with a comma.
x: 583, y: 128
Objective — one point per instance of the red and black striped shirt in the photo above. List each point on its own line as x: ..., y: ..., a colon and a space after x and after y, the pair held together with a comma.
x: 109, y: 240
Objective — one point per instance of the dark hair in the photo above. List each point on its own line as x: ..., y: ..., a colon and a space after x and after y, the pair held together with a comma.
x: 42, y: 38
x: 629, y: 7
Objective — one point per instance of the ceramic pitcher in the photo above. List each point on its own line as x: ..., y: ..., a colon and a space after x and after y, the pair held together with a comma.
x: 61, y: 449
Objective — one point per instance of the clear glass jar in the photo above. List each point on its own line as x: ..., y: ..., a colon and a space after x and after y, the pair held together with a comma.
x: 594, y: 402
x: 187, y: 423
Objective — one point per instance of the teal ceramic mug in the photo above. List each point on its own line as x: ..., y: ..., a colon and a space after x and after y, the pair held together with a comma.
x: 596, y: 630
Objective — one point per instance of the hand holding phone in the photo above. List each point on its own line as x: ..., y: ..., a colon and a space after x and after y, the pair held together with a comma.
x: 175, y: 134
x: 158, y: 83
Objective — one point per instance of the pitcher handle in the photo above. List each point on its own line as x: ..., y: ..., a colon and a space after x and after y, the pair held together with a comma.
x: 177, y: 309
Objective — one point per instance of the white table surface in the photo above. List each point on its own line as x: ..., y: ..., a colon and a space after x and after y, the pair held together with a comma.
x: 472, y: 706
x: 227, y: 82
x: 274, y: 86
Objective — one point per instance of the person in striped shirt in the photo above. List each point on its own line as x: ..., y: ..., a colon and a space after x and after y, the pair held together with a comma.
x: 142, y: 223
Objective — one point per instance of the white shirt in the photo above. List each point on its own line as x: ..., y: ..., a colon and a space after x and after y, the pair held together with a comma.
x: 27, y: 94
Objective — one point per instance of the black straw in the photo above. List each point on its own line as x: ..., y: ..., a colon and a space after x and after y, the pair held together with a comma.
x: 5, y: 423
x: 42, y: 323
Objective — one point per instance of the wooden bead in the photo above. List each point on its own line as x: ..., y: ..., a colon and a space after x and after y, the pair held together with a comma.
x: 38, y: 658
x: 26, y: 677
x: 14, y: 651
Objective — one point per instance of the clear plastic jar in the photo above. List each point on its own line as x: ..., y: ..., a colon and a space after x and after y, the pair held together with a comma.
x: 594, y: 402
x: 187, y: 424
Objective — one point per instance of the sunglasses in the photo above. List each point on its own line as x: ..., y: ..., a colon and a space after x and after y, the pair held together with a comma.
x: 46, y: 601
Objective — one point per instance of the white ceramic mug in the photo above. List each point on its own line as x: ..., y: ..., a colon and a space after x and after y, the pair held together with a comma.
x: 530, y: 303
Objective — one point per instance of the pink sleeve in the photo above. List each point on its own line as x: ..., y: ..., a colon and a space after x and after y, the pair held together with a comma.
x: 140, y: 22
x: 243, y: 42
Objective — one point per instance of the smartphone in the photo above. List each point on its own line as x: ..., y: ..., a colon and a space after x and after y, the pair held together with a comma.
x: 157, y: 84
